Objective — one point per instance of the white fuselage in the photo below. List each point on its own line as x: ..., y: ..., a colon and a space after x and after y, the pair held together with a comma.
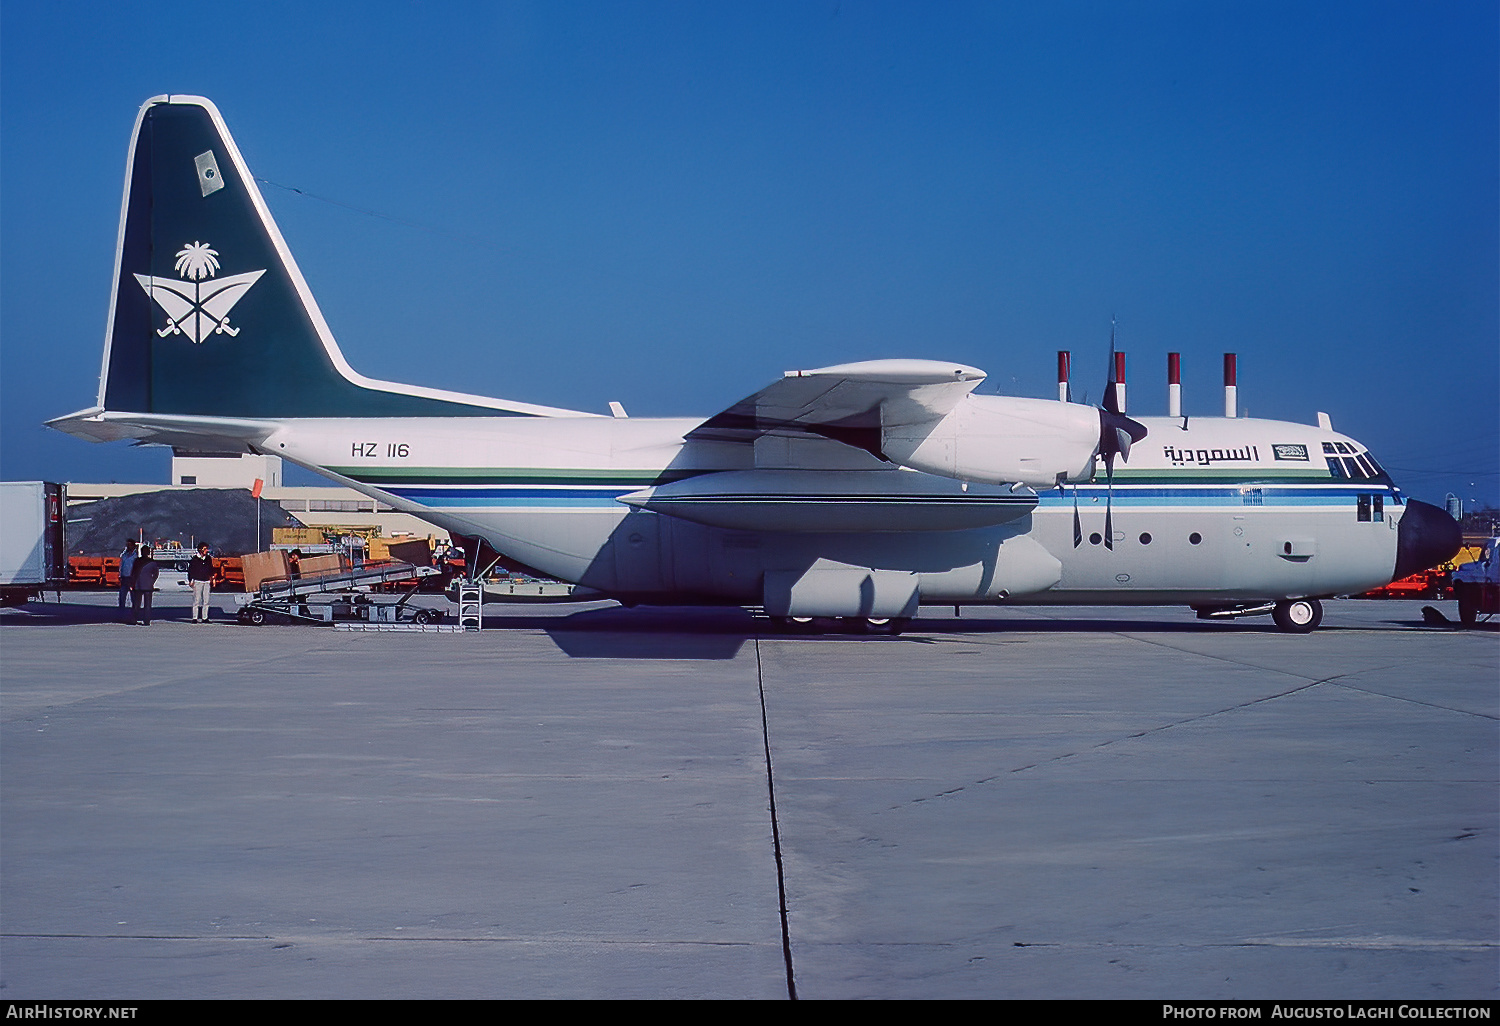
x: 1205, y: 511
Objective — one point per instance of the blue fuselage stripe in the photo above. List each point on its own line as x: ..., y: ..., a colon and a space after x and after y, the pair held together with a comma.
x: 1184, y: 496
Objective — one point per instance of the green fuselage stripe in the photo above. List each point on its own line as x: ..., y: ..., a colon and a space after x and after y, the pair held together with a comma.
x: 513, y: 476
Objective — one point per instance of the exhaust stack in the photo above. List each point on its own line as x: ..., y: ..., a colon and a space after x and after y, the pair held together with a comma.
x: 1231, y: 390
x: 1174, y: 384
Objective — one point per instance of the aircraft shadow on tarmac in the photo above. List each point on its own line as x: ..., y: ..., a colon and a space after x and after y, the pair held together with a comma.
x: 698, y: 633
x: 663, y: 632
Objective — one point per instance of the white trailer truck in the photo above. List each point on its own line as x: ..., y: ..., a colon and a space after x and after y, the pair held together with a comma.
x: 33, y: 554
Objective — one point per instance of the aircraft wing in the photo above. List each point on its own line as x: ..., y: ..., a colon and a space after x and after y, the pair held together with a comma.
x: 850, y: 403
x: 923, y: 415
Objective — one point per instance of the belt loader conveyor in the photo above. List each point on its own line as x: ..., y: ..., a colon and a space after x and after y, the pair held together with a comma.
x: 324, y: 598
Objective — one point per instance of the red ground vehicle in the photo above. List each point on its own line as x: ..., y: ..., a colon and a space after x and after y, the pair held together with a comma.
x: 1425, y: 584
x: 104, y: 572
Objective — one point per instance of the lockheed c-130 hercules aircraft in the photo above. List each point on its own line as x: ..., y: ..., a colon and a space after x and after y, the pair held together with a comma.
x: 856, y: 492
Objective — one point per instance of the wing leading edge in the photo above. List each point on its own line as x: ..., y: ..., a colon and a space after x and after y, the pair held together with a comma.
x: 848, y: 403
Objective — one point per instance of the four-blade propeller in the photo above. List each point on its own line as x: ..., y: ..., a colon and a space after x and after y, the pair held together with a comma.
x: 1117, y: 433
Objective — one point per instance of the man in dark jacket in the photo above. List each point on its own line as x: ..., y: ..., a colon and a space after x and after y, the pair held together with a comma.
x: 201, y: 576
x: 142, y: 584
x: 127, y: 568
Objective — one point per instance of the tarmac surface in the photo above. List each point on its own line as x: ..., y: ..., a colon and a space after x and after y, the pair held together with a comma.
x: 594, y: 802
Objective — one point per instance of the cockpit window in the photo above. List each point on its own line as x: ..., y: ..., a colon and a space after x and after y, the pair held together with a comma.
x: 1353, y: 465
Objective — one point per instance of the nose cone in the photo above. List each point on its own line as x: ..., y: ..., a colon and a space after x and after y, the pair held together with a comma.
x: 1425, y: 537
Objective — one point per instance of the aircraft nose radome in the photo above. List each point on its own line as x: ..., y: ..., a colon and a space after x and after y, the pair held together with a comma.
x: 1426, y: 536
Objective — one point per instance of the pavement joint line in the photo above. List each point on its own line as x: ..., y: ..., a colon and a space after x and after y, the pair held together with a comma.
x: 765, y: 733
x: 985, y: 641
x: 163, y: 681
x: 287, y: 940
x: 1344, y: 943
x: 1115, y: 740
x: 1412, y: 701
x: 1245, y: 664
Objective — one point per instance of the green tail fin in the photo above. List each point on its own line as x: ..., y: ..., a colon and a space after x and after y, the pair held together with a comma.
x: 210, y: 315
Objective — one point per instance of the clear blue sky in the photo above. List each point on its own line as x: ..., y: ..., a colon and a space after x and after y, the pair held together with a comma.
x: 669, y: 204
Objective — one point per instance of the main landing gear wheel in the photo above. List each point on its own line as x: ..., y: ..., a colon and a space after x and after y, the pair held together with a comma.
x: 844, y: 624
x: 1298, y: 616
x: 888, y: 625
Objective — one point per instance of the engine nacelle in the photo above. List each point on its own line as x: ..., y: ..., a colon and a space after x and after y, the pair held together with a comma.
x: 998, y: 439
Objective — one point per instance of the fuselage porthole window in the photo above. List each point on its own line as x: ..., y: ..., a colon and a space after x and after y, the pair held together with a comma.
x: 1145, y: 537
x: 1095, y: 538
x: 1194, y: 538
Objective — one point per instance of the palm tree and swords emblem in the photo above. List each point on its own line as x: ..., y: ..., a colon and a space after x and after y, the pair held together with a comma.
x: 195, y: 307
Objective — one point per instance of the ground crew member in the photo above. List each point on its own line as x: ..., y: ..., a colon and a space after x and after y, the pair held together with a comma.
x: 127, y: 569
x: 143, y: 584
x: 201, y: 576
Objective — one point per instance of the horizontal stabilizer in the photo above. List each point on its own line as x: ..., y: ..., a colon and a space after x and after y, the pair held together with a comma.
x: 199, y: 433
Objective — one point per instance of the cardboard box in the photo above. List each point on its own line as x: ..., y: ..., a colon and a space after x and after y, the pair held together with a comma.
x: 417, y: 553
x: 327, y: 564
x: 263, y: 566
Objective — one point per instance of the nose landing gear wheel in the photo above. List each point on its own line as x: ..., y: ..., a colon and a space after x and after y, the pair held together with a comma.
x: 1468, y: 603
x: 1298, y: 616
